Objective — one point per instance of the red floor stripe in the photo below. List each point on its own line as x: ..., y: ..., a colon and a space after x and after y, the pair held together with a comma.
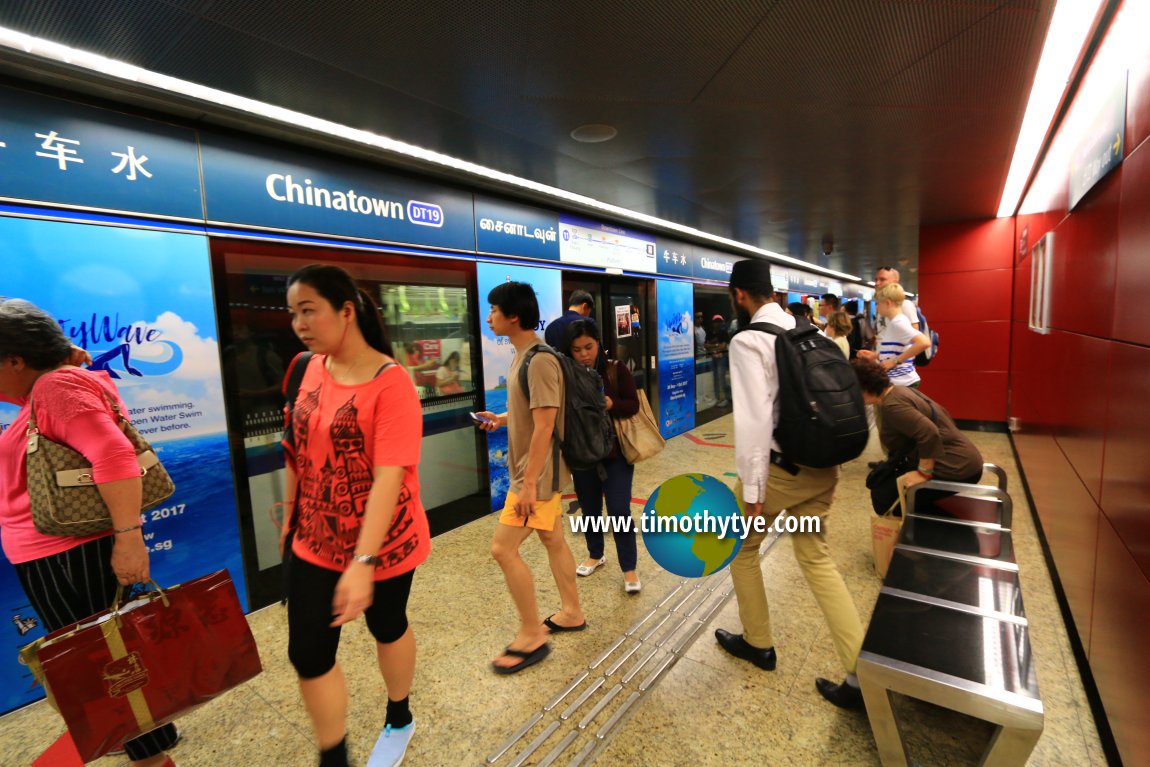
x: 698, y: 441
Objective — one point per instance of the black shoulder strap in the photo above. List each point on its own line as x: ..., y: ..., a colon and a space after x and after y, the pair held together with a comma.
x: 765, y: 327
x: 295, y: 378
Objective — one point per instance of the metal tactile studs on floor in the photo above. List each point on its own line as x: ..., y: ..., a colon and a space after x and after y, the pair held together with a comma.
x: 613, y: 685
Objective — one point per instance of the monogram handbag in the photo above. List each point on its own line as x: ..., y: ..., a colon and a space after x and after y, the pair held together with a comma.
x: 64, y: 497
x: 639, y: 436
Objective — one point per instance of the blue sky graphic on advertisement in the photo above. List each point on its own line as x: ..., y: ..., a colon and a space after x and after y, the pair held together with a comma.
x: 139, y: 301
x: 676, y: 357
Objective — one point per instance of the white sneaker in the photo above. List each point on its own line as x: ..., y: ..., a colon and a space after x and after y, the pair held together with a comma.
x: 632, y: 587
x: 588, y: 569
x: 391, y: 746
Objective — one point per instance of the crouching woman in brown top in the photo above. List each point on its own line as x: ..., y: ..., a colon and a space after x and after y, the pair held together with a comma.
x: 917, y: 427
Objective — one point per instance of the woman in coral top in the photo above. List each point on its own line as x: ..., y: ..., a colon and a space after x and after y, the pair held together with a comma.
x: 358, y: 529
x: 68, y: 578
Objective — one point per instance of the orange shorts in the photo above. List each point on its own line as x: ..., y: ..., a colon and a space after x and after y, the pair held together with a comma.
x: 542, y: 517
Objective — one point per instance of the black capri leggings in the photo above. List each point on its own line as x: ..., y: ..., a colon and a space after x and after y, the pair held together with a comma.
x: 68, y: 587
x: 312, y: 642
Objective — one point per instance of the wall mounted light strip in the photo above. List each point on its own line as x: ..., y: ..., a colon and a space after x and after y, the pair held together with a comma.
x: 1069, y: 25
x: 45, y: 49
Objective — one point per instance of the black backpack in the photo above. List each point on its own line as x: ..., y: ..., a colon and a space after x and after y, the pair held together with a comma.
x: 588, y: 435
x: 822, y: 418
x: 923, y: 358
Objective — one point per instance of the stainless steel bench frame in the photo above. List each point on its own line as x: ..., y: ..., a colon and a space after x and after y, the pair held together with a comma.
x: 1019, y: 718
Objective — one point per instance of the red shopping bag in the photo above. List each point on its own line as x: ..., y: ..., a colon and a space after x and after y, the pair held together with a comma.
x: 121, y: 673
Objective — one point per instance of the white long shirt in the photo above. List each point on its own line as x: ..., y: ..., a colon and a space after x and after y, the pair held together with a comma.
x: 755, y: 394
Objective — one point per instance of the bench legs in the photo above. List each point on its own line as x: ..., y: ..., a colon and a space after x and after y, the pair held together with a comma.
x: 884, y: 724
x: 1010, y: 747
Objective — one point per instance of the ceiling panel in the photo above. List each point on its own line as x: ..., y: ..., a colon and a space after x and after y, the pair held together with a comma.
x: 777, y: 122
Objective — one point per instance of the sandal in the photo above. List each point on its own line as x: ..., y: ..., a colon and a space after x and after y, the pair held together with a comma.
x: 529, y: 658
x: 588, y: 569
x: 555, y: 628
x: 632, y: 587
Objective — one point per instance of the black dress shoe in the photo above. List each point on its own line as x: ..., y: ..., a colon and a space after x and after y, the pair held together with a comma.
x: 842, y: 695
x: 873, y: 464
x: 737, y: 646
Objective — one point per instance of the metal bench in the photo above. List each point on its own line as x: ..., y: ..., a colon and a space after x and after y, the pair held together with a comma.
x: 949, y: 627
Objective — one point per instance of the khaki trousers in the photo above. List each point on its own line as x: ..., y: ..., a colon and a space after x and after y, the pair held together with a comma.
x: 808, y: 493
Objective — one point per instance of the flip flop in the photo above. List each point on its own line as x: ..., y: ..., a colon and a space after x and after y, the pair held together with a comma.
x: 555, y: 628
x: 530, y: 658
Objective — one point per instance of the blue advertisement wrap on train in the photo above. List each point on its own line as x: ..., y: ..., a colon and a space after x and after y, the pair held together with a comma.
x: 498, y: 354
x: 284, y: 189
x: 52, y: 150
x: 509, y: 229
x: 676, y: 302
x: 141, y: 303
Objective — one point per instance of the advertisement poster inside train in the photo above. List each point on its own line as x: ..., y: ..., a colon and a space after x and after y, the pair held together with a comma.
x: 140, y: 302
x: 498, y: 354
x: 676, y: 357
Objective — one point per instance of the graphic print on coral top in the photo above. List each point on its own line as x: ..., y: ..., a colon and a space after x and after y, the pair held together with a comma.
x: 341, y: 433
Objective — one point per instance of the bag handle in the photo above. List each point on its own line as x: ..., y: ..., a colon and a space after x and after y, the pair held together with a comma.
x: 118, y: 601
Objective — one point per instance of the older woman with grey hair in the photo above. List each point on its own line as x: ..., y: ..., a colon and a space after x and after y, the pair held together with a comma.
x: 69, y: 578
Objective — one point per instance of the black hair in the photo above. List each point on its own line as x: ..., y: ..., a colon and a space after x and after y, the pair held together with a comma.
x: 873, y: 379
x: 832, y: 300
x: 338, y: 288
x: 580, y: 297
x: 581, y: 329
x: 516, y: 299
x: 851, y: 307
x: 33, y: 335
x: 800, y: 309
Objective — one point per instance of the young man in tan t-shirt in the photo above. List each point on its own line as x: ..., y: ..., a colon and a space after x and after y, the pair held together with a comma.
x: 537, y: 473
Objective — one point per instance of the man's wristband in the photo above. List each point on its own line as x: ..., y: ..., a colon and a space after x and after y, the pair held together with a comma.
x: 928, y: 473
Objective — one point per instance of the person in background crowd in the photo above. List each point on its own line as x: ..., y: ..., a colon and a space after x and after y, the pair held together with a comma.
x: 700, y: 335
x: 357, y: 528
x: 447, y: 377
x: 898, y: 342
x: 533, y: 501
x: 838, y: 330
x: 801, y: 312
x: 717, y: 345
x: 69, y: 578
x: 582, y: 345
x: 768, y: 483
x: 861, y: 335
x: 580, y: 306
x: 888, y: 275
x: 828, y: 305
x: 913, y: 423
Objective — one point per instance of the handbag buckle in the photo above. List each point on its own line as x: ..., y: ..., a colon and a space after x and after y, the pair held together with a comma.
x: 143, y: 472
x: 84, y: 478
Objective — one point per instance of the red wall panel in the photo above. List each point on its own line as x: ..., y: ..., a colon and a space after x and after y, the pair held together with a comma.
x: 1069, y: 520
x: 1138, y: 102
x: 1085, y: 254
x: 1126, y: 472
x: 966, y: 296
x: 1131, y: 305
x: 977, y: 395
x: 1118, y: 646
x: 971, y: 346
x: 966, y: 247
x: 1079, y: 406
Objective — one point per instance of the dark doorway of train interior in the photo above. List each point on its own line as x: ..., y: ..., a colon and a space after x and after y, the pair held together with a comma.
x: 625, y: 316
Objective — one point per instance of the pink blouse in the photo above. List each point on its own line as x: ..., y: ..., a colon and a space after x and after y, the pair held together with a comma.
x: 71, y: 408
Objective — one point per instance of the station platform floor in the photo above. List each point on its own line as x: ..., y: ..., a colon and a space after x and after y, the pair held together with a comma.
x: 689, y: 702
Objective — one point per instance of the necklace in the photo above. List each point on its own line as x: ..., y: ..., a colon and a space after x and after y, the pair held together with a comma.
x: 345, y: 376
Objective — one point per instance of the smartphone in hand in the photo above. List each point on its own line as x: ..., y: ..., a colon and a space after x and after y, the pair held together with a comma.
x: 479, y: 419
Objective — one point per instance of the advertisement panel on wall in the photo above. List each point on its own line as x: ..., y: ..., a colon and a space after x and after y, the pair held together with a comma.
x: 506, y: 228
x: 52, y: 150
x: 498, y: 353
x: 592, y: 243
x: 245, y: 183
x: 676, y: 303
x: 141, y: 303
x: 685, y: 260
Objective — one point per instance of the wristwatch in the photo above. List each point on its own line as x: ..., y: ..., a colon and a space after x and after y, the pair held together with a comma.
x: 368, y: 559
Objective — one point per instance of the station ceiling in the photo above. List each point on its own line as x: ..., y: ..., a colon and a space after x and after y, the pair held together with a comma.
x: 799, y: 126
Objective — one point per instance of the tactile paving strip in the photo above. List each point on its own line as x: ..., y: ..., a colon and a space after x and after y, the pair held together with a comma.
x: 601, y: 694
